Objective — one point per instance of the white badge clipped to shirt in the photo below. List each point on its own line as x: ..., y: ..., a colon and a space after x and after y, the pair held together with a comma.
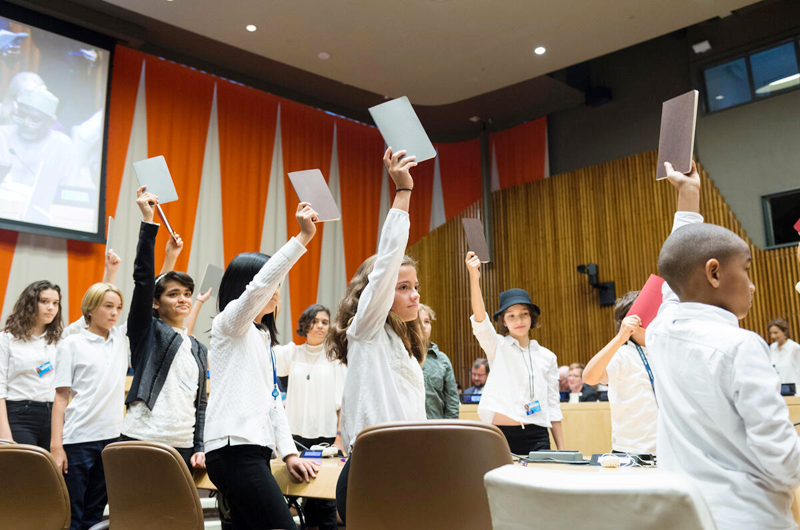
x: 532, y: 408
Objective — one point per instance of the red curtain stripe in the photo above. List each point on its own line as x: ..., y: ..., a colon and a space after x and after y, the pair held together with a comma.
x: 521, y: 153
x: 460, y: 168
x: 247, y: 123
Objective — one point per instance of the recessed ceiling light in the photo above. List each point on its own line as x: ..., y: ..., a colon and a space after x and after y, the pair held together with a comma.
x: 475, y: 119
x: 720, y: 97
x: 251, y: 28
x: 324, y: 56
x: 701, y: 47
x: 539, y: 51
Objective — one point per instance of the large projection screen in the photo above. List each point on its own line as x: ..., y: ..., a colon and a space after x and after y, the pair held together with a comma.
x: 54, y: 82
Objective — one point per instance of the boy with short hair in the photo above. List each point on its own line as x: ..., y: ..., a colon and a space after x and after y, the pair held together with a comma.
x: 721, y: 419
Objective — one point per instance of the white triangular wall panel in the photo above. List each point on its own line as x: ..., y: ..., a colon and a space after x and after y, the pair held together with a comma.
x: 274, y: 231
x: 38, y: 258
x: 332, y: 270
x: 438, y: 216
x: 127, y: 217
x: 207, y: 240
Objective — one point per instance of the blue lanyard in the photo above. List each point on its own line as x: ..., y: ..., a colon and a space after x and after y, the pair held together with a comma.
x: 275, y: 392
x: 646, y: 366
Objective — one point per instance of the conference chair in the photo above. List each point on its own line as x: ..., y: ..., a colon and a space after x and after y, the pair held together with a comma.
x: 149, y: 486
x: 34, y: 495
x: 618, y: 499
x: 423, y: 475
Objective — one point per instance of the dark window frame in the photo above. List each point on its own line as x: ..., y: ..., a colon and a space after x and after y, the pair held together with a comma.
x: 766, y: 209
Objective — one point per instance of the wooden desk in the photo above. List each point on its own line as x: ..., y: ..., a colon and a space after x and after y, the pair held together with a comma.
x: 322, y: 487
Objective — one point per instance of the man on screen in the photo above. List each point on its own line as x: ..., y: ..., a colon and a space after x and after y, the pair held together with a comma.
x: 34, y: 159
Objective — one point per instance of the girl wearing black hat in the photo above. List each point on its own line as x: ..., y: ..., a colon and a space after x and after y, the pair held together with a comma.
x: 521, y: 394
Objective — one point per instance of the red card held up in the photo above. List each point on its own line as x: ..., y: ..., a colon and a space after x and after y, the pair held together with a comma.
x: 797, y: 226
x: 649, y: 300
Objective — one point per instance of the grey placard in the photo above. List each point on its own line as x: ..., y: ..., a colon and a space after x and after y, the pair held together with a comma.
x: 211, y: 279
x: 154, y: 173
x: 311, y: 187
x: 401, y: 128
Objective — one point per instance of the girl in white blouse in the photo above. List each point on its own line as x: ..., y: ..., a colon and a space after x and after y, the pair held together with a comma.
x: 245, y: 419
x: 521, y: 395
x: 313, y: 398
x: 27, y: 364
x: 377, y: 331
x: 784, y: 351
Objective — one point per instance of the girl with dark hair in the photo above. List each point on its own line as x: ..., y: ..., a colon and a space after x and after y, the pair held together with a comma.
x: 377, y: 331
x: 27, y: 360
x: 167, y: 399
x: 246, y: 421
x: 785, y: 352
x: 521, y: 395
x: 313, y: 398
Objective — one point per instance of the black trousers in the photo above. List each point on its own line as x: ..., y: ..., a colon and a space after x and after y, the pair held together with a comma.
x: 341, y: 491
x: 319, y: 512
x: 242, y: 474
x: 30, y: 422
x: 186, y: 453
x: 523, y: 441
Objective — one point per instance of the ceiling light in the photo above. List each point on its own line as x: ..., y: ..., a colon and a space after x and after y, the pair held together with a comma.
x: 702, y: 47
x: 251, y: 28
x: 324, y: 56
x: 475, y: 119
x: 539, y: 51
x: 720, y: 97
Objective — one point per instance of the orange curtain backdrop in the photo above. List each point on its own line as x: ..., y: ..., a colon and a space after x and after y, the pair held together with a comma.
x: 460, y: 167
x: 247, y: 120
x: 178, y: 109
x: 420, y: 209
x: 521, y: 153
x: 8, y: 242
x: 307, y: 139
x: 360, y: 150
x: 85, y: 261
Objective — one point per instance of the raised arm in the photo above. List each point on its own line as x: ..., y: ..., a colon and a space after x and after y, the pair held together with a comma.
x: 191, y: 320
x: 376, y: 299
x: 481, y: 325
x: 140, y: 315
x: 238, y: 315
x: 112, y: 262
x: 595, y: 371
x: 173, y: 250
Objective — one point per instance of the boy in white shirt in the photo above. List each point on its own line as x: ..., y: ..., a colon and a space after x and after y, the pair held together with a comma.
x: 90, y: 369
x: 721, y: 419
x: 631, y: 394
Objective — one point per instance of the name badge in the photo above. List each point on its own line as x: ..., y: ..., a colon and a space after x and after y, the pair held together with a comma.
x: 44, y: 369
x: 532, y: 408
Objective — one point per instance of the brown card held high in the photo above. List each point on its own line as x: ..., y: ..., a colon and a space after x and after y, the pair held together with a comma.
x: 676, y: 143
x: 476, y: 239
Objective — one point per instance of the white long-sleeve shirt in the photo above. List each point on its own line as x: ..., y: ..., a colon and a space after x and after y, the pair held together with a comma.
x: 316, y: 385
x: 512, y: 367
x: 241, y: 409
x: 722, y: 421
x: 384, y: 383
x: 786, y: 360
x: 634, y: 411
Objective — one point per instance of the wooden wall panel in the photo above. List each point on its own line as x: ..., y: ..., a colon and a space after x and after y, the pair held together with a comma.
x: 614, y: 214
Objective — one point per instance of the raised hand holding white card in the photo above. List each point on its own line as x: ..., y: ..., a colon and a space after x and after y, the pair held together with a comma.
x: 311, y: 187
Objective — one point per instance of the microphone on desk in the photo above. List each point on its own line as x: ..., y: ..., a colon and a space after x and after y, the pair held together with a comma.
x: 14, y: 153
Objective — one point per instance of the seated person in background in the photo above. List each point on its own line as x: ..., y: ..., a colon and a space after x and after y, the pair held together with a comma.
x: 441, y: 395
x: 479, y: 374
x: 631, y: 396
x: 785, y: 352
x: 720, y: 421
x: 563, y: 382
x: 579, y: 391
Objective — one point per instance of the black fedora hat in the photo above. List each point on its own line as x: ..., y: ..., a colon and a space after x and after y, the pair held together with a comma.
x: 513, y: 297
